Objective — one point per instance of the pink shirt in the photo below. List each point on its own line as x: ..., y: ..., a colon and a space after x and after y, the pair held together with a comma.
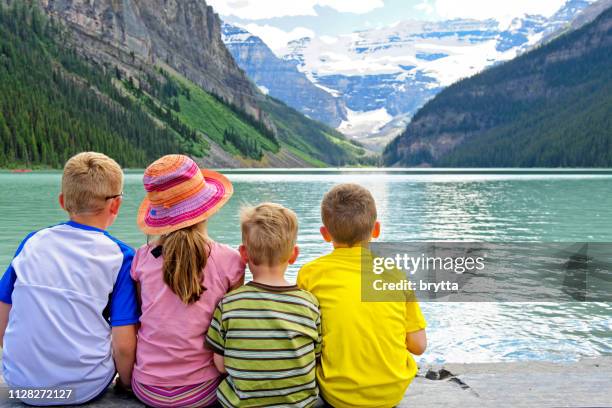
x: 171, y: 348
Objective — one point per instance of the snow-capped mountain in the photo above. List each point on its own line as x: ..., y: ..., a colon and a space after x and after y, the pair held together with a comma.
x: 385, y: 75
x: 281, y: 79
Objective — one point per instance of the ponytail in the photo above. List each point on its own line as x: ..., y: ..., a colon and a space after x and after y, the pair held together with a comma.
x: 185, y: 256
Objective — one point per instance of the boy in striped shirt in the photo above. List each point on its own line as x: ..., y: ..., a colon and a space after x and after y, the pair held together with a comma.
x: 266, y: 334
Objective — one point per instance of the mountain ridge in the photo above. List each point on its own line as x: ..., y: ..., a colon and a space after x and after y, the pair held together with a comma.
x: 548, y: 107
x: 280, y: 78
x: 385, y: 75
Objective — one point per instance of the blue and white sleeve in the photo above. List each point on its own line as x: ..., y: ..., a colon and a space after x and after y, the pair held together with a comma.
x: 7, y: 283
x: 124, y: 304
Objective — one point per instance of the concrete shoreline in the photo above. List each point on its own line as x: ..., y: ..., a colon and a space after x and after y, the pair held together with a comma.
x: 585, y: 383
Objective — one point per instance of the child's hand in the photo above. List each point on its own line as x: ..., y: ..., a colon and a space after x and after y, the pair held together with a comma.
x: 219, y: 363
x: 121, y: 388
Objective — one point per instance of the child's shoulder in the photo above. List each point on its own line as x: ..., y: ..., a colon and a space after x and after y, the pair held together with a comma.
x: 226, y: 258
x: 27, y: 240
x: 70, y: 228
x: 224, y: 250
x: 54, y: 230
x: 319, y: 262
x: 145, y: 250
x: 65, y: 231
x: 251, y: 288
x: 125, y: 248
x: 235, y: 294
x: 313, y: 270
x: 252, y: 293
x: 308, y: 296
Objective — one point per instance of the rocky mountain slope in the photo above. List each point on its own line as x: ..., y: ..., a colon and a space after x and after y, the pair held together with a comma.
x: 587, y: 15
x: 184, y: 34
x: 548, y: 107
x: 280, y: 78
x: 385, y: 75
x: 161, y: 61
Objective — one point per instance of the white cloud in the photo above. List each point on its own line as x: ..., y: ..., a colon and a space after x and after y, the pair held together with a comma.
x: 482, y: 9
x: 425, y: 6
x: 352, y: 6
x: 262, y: 9
x: 328, y: 39
x: 275, y: 38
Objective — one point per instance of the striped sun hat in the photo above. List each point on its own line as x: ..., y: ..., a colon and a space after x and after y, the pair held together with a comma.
x: 180, y: 194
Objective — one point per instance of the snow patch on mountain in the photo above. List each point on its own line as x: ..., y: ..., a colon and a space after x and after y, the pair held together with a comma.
x: 399, y: 68
x: 364, y: 123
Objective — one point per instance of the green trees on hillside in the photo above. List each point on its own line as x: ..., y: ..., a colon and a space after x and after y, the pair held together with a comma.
x: 259, y: 125
x: 575, y: 131
x: 53, y: 104
x: 161, y: 96
x: 325, y: 143
x: 250, y: 147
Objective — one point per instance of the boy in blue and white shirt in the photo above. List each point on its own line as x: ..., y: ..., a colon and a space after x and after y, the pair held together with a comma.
x: 68, y: 306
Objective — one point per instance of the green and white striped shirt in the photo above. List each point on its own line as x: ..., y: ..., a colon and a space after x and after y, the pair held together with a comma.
x: 270, y: 337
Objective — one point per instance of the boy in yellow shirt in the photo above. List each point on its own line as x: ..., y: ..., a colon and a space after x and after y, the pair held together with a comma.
x: 366, y: 359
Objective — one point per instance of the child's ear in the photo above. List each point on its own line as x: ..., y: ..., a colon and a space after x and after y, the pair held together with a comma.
x: 376, y: 230
x: 294, y: 255
x: 244, y: 255
x: 115, y: 205
x: 61, y: 201
x: 325, y: 234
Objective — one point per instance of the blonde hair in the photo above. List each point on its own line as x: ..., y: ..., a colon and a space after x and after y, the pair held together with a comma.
x: 185, y: 253
x: 269, y: 232
x: 88, y: 179
x: 348, y: 211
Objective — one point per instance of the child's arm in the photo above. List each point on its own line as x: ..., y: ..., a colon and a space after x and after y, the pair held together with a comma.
x: 237, y: 284
x: 124, y: 351
x: 219, y: 363
x: 7, y: 284
x: 215, y: 338
x: 5, y: 308
x: 124, y: 318
x: 416, y: 342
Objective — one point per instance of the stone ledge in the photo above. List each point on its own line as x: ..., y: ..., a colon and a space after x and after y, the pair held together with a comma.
x: 518, y: 384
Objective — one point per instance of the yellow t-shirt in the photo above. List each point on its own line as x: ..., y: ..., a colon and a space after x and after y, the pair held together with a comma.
x: 364, y: 361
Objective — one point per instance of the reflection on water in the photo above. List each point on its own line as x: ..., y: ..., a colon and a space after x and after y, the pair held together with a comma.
x: 481, y: 332
x: 418, y: 206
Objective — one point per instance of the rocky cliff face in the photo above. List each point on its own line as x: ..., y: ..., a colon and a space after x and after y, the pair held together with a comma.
x: 184, y: 35
x: 281, y: 79
x: 590, y: 13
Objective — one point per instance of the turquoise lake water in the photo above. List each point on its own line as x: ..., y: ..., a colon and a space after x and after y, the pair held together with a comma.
x: 426, y: 205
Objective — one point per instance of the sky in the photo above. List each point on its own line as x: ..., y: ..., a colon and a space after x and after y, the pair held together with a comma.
x: 280, y: 21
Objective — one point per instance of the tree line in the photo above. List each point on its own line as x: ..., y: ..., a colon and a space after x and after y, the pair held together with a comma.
x: 50, y: 103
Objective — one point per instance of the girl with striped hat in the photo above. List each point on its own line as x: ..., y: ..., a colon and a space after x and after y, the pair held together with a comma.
x: 181, y: 276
